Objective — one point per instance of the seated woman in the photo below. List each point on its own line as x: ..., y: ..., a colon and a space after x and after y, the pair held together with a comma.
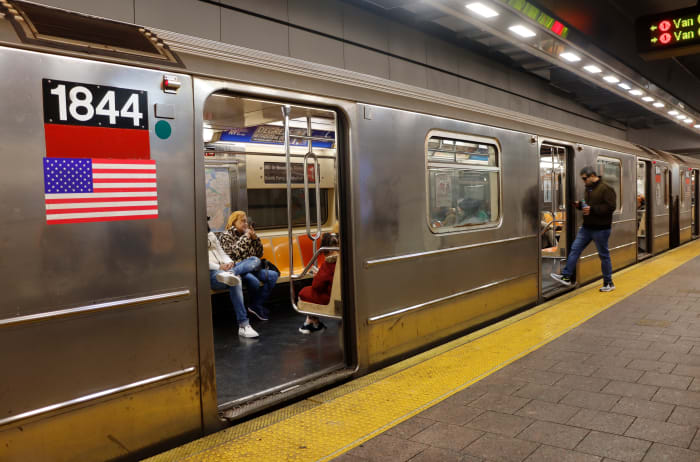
x: 221, y: 277
x: 241, y: 243
x: 319, y: 292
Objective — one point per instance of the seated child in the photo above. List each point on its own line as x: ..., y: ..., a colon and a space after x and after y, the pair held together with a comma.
x: 319, y: 292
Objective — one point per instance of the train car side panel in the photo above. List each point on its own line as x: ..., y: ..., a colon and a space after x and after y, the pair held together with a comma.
x: 101, y: 307
x: 472, y: 269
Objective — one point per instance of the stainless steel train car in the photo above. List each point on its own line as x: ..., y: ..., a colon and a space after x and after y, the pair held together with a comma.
x: 113, y: 344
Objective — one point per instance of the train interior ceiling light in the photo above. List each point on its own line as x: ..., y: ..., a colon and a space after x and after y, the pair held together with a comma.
x: 510, y: 27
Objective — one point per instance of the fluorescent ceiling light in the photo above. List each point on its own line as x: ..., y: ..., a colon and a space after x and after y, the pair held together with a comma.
x: 636, y: 92
x: 648, y: 99
x: 522, y: 31
x: 611, y: 79
x: 207, y: 134
x: 674, y: 112
x: 571, y: 57
x: 688, y: 120
x: 624, y: 86
x: 681, y: 116
x: 482, y: 10
x: 593, y: 69
x: 696, y: 126
x: 659, y: 104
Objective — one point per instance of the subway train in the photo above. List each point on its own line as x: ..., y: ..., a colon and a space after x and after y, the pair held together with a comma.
x: 114, y: 344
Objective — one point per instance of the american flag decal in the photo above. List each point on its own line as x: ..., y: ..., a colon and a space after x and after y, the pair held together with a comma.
x: 79, y: 190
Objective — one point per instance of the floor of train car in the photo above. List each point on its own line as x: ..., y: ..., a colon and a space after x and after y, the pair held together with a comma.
x: 280, y: 355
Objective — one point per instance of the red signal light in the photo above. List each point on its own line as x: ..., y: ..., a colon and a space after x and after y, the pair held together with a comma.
x: 665, y: 25
x: 557, y: 27
x: 665, y: 38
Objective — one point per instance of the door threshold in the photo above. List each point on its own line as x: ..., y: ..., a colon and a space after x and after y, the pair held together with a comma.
x: 556, y: 292
x: 235, y: 410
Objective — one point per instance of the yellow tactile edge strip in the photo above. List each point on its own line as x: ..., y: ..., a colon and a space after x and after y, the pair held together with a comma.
x: 346, y: 416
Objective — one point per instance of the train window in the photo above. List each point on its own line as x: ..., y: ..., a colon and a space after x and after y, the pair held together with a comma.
x: 667, y: 184
x: 610, y: 171
x: 463, y: 183
x: 268, y: 207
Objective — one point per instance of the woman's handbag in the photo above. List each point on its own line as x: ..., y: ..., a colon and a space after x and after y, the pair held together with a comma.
x: 268, y: 265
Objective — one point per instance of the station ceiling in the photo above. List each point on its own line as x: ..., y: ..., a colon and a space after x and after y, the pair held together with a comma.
x: 606, y: 25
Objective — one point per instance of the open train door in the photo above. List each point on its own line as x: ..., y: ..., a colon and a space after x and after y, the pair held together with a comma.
x: 555, y: 198
x: 278, y: 163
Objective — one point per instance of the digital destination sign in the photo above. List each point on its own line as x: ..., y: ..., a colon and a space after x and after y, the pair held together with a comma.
x: 674, y: 33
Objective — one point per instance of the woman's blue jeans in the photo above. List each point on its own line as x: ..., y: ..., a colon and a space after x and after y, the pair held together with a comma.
x: 583, y: 238
x: 260, y: 284
x: 236, y: 294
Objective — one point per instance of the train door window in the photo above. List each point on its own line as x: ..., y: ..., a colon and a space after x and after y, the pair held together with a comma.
x: 610, y: 171
x: 642, y: 207
x: 685, y: 187
x: 667, y: 185
x: 245, y: 160
x: 463, y: 182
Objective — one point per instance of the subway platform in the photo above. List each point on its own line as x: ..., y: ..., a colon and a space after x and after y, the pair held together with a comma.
x: 589, y: 376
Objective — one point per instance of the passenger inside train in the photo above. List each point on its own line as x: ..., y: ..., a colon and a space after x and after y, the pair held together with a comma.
x: 319, y: 292
x: 222, y: 277
x: 245, y: 249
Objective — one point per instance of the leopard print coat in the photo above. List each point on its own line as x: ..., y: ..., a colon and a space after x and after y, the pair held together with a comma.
x: 239, y: 246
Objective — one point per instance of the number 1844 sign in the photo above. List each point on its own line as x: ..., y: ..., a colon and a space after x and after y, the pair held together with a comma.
x: 97, y: 165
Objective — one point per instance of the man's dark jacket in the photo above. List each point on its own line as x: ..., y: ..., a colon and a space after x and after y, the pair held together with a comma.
x: 603, y: 200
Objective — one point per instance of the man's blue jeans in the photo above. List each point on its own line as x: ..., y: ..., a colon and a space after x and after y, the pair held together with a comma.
x: 236, y: 294
x: 259, y: 282
x: 583, y: 238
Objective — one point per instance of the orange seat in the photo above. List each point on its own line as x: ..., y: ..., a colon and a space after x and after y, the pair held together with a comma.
x: 268, y: 252
x: 280, y: 246
x: 307, y: 250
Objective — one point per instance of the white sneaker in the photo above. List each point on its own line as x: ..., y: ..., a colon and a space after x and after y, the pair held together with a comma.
x: 247, y: 332
x: 607, y: 288
x: 228, y: 278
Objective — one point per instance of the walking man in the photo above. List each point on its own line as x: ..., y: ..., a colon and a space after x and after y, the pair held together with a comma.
x: 598, y: 207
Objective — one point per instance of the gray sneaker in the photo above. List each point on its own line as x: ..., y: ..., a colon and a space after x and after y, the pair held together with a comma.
x: 561, y: 279
x: 607, y: 287
x: 228, y: 278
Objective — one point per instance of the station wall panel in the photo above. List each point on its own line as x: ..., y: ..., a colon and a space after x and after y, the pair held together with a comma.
x: 365, y: 28
x: 472, y: 90
x: 255, y: 33
x: 312, y: 47
x: 406, y: 42
x: 443, y: 55
x: 360, y: 59
x: 187, y: 17
x: 406, y: 72
x: 322, y: 15
x: 443, y: 82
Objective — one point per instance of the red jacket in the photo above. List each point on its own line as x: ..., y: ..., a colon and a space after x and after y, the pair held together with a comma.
x: 319, y: 291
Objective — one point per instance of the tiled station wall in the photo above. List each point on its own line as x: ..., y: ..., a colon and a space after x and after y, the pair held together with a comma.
x: 372, y: 39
